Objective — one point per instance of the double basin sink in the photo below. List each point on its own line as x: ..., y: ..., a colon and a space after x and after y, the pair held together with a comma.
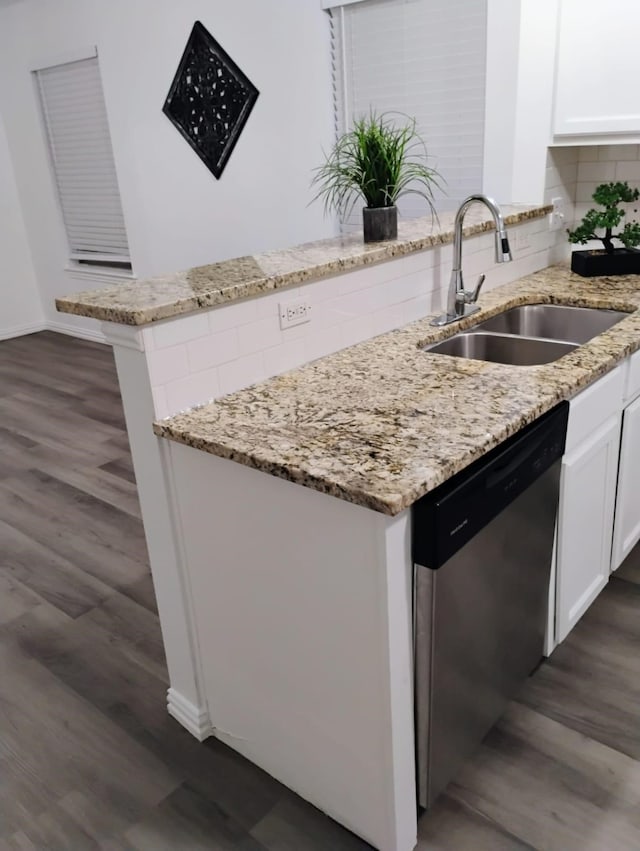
x: 530, y: 334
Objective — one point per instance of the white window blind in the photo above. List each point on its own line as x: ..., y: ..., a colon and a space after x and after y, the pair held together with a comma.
x: 424, y: 58
x: 82, y: 158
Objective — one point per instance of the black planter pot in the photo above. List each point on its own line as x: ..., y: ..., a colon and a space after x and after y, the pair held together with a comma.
x: 380, y: 223
x: 589, y: 264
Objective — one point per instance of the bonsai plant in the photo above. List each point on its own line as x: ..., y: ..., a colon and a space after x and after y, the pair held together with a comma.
x: 608, y: 260
x: 378, y: 160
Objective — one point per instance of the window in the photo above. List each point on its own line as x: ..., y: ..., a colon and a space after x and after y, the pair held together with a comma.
x: 425, y: 58
x: 82, y: 160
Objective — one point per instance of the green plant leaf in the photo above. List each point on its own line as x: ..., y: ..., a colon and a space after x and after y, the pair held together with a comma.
x: 609, y: 196
x: 379, y: 161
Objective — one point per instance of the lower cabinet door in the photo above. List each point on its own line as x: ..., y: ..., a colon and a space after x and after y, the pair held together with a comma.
x: 585, y: 524
x: 627, y: 523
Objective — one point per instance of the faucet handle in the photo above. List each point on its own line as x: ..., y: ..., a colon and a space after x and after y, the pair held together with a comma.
x: 474, y: 295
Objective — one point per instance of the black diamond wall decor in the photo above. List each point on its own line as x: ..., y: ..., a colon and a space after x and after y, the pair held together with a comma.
x: 210, y: 99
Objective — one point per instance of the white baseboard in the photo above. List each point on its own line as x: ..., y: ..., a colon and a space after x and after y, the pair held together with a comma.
x: 195, y: 720
x: 21, y: 330
x: 59, y: 327
x: 74, y: 331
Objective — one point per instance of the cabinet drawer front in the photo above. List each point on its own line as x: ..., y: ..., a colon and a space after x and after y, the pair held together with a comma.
x: 632, y: 384
x: 594, y: 406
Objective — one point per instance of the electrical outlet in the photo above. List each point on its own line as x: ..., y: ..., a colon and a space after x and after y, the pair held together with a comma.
x: 295, y: 312
x: 557, y: 215
x: 519, y: 239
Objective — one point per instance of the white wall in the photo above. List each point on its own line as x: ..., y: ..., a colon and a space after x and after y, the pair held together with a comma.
x: 20, y: 306
x: 177, y: 214
x: 521, y: 48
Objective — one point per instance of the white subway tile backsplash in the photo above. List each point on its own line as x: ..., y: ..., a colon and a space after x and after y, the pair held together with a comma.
x: 285, y: 357
x: 437, y: 301
x: 320, y: 343
x: 584, y: 192
x: 600, y: 172
x: 167, y: 364
x: 357, y: 330
x: 324, y: 314
x: 628, y: 171
x: 387, y: 319
x: 213, y: 349
x: 259, y: 335
x: 478, y: 263
x: 355, y: 303
x: 559, y: 252
x: 233, y: 315
x: 193, y: 390
x: 411, y: 263
x: 268, y: 305
x: 408, y: 287
x: 241, y: 373
x: 416, y: 308
x: 171, y: 332
x: 588, y: 154
x: 346, y: 282
x: 561, y: 157
x: 617, y: 153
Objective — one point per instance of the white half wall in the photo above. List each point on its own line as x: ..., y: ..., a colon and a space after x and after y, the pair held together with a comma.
x: 177, y: 214
x: 20, y: 305
x: 303, y: 624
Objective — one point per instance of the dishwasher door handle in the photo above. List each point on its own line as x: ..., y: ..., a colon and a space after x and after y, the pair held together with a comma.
x: 496, y: 477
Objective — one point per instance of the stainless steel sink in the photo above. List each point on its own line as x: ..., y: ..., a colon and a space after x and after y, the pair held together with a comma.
x: 501, y: 348
x: 553, y: 321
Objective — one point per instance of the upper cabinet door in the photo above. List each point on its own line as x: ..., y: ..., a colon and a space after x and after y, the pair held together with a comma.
x: 598, y: 67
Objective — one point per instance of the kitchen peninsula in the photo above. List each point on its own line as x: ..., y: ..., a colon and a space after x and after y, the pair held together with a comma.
x: 286, y: 613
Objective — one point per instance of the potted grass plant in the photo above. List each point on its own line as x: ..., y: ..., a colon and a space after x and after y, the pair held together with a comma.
x: 379, y: 159
x: 607, y: 260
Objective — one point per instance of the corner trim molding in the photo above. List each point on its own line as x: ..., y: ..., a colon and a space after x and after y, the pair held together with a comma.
x: 195, y: 720
x: 123, y: 335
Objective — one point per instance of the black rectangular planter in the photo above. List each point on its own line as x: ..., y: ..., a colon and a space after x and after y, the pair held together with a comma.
x: 590, y: 264
x: 380, y: 223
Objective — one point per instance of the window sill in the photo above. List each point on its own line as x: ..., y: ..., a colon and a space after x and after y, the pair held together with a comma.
x: 99, y: 274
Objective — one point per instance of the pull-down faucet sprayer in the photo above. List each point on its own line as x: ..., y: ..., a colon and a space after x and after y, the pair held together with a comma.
x: 461, y: 302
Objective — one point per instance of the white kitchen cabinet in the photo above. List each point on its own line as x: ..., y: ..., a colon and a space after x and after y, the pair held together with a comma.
x: 597, y: 69
x: 586, y: 509
x: 585, y: 523
x: 627, y: 522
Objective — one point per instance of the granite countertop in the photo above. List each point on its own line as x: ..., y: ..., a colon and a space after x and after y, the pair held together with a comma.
x: 382, y: 423
x: 203, y: 287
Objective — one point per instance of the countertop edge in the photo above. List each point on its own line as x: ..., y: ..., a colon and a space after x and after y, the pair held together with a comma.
x: 88, y: 303
x: 582, y: 367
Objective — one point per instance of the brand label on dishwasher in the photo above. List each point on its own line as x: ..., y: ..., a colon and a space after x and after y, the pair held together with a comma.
x: 459, y: 527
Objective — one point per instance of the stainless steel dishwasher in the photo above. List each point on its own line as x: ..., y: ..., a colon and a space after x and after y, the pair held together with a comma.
x: 482, y: 548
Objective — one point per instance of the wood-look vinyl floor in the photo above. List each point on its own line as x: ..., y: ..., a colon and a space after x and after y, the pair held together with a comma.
x: 89, y: 757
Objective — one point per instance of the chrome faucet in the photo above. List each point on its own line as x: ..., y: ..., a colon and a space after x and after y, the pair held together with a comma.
x: 461, y: 302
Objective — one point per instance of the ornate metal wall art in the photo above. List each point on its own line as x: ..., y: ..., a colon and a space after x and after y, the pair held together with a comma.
x: 210, y: 99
